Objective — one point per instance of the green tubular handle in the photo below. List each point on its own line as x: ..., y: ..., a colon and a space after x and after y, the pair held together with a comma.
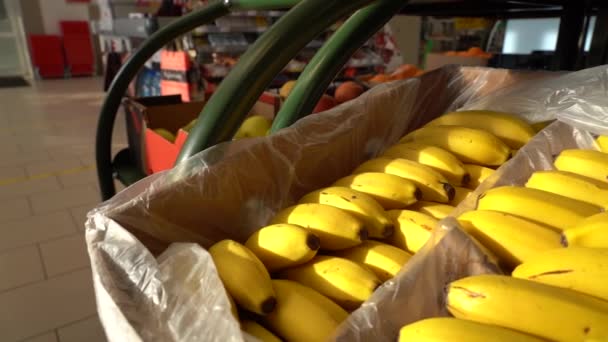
x: 256, y: 68
x: 107, y: 116
x: 330, y: 59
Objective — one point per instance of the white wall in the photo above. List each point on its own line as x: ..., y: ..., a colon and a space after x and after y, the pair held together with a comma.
x: 53, y: 11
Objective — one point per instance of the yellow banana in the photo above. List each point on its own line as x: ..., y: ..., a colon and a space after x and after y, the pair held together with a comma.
x: 575, y: 268
x: 283, y: 245
x: 555, y: 211
x: 382, y: 259
x: 258, y: 331
x: 478, y: 174
x: 602, y: 143
x: 356, y: 203
x: 237, y: 265
x: 542, y: 310
x: 591, y: 232
x: 433, y: 185
x: 389, y: 190
x: 514, y: 131
x: 443, y: 329
x: 570, y: 185
x: 460, y: 194
x: 434, y: 209
x: 467, y: 144
x: 539, y: 126
x: 335, y: 228
x: 514, y: 240
x: 344, y: 281
x: 434, y: 157
x: 589, y: 163
x: 413, y: 229
x: 303, y: 314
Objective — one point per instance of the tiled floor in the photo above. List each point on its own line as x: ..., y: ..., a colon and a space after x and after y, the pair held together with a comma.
x: 47, y: 185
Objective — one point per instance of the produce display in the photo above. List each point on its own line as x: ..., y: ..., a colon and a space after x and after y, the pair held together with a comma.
x: 324, y: 256
x: 551, y: 235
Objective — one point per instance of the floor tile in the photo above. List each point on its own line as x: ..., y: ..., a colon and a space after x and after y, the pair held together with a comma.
x: 40, y: 307
x: 10, y: 173
x: 63, y: 199
x: 23, y: 232
x: 79, y: 214
x: 52, y: 166
x: 48, y: 337
x: 20, y: 266
x: 89, y: 330
x: 12, y: 209
x: 64, y: 254
x: 22, y: 187
x: 18, y: 158
x: 80, y: 176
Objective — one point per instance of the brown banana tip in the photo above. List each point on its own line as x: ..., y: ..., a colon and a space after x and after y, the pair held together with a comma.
x: 418, y: 194
x: 268, y: 305
x: 450, y: 191
x: 363, y: 234
x: 313, y: 242
x: 564, y: 240
x: 466, y: 179
x: 389, y: 229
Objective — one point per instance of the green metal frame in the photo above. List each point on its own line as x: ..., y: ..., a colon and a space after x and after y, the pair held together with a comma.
x: 256, y: 68
x: 242, y: 87
x: 330, y: 59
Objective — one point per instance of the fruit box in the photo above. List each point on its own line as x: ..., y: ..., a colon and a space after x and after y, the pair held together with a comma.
x: 437, y: 60
x: 153, y: 152
x: 153, y: 278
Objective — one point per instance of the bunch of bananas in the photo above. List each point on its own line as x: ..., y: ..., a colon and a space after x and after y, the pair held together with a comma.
x: 324, y: 256
x: 554, y: 293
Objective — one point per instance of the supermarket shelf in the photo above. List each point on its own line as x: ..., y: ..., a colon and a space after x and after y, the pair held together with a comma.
x: 257, y: 13
x: 135, y: 27
x: 226, y: 29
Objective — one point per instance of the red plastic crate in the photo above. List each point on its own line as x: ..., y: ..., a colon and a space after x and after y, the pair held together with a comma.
x: 47, y: 55
x: 78, y: 47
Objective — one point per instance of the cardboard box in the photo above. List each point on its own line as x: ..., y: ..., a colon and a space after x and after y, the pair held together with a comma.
x: 437, y: 60
x: 152, y: 152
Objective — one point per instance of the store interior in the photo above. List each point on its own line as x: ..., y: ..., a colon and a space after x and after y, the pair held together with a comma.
x: 145, y: 141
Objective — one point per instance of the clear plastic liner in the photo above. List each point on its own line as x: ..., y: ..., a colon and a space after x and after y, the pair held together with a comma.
x: 154, y: 281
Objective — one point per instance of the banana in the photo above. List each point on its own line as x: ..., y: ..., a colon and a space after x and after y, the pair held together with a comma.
x: 467, y: 144
x: 258, y: 331
x: 389, y: 190
x: 478, y: 174
x: 591, y: 232
x: 602, y: 143
x: 303, y: 314
x: 335, y: 228
x: 437, y: 210
x: 539, y: 126
x: 283, y: 245
x: 358, y: 204
x: 413, y: 229
x: 589, y: 163
x: 542, y: 310
x: 434, y: 157
x: 514, y: 240
x: 346, y: 282
x: 441, y: 329
x: 570, y: 185
x: 460, y: 194
x: 555, y: 211
x: 237, y: 265
x: 575, y: 268
x: 382, y: 259
x: 433, y: 185
x: 514, y: 131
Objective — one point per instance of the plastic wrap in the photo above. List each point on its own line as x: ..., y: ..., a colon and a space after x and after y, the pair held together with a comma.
x: 150, y: 293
